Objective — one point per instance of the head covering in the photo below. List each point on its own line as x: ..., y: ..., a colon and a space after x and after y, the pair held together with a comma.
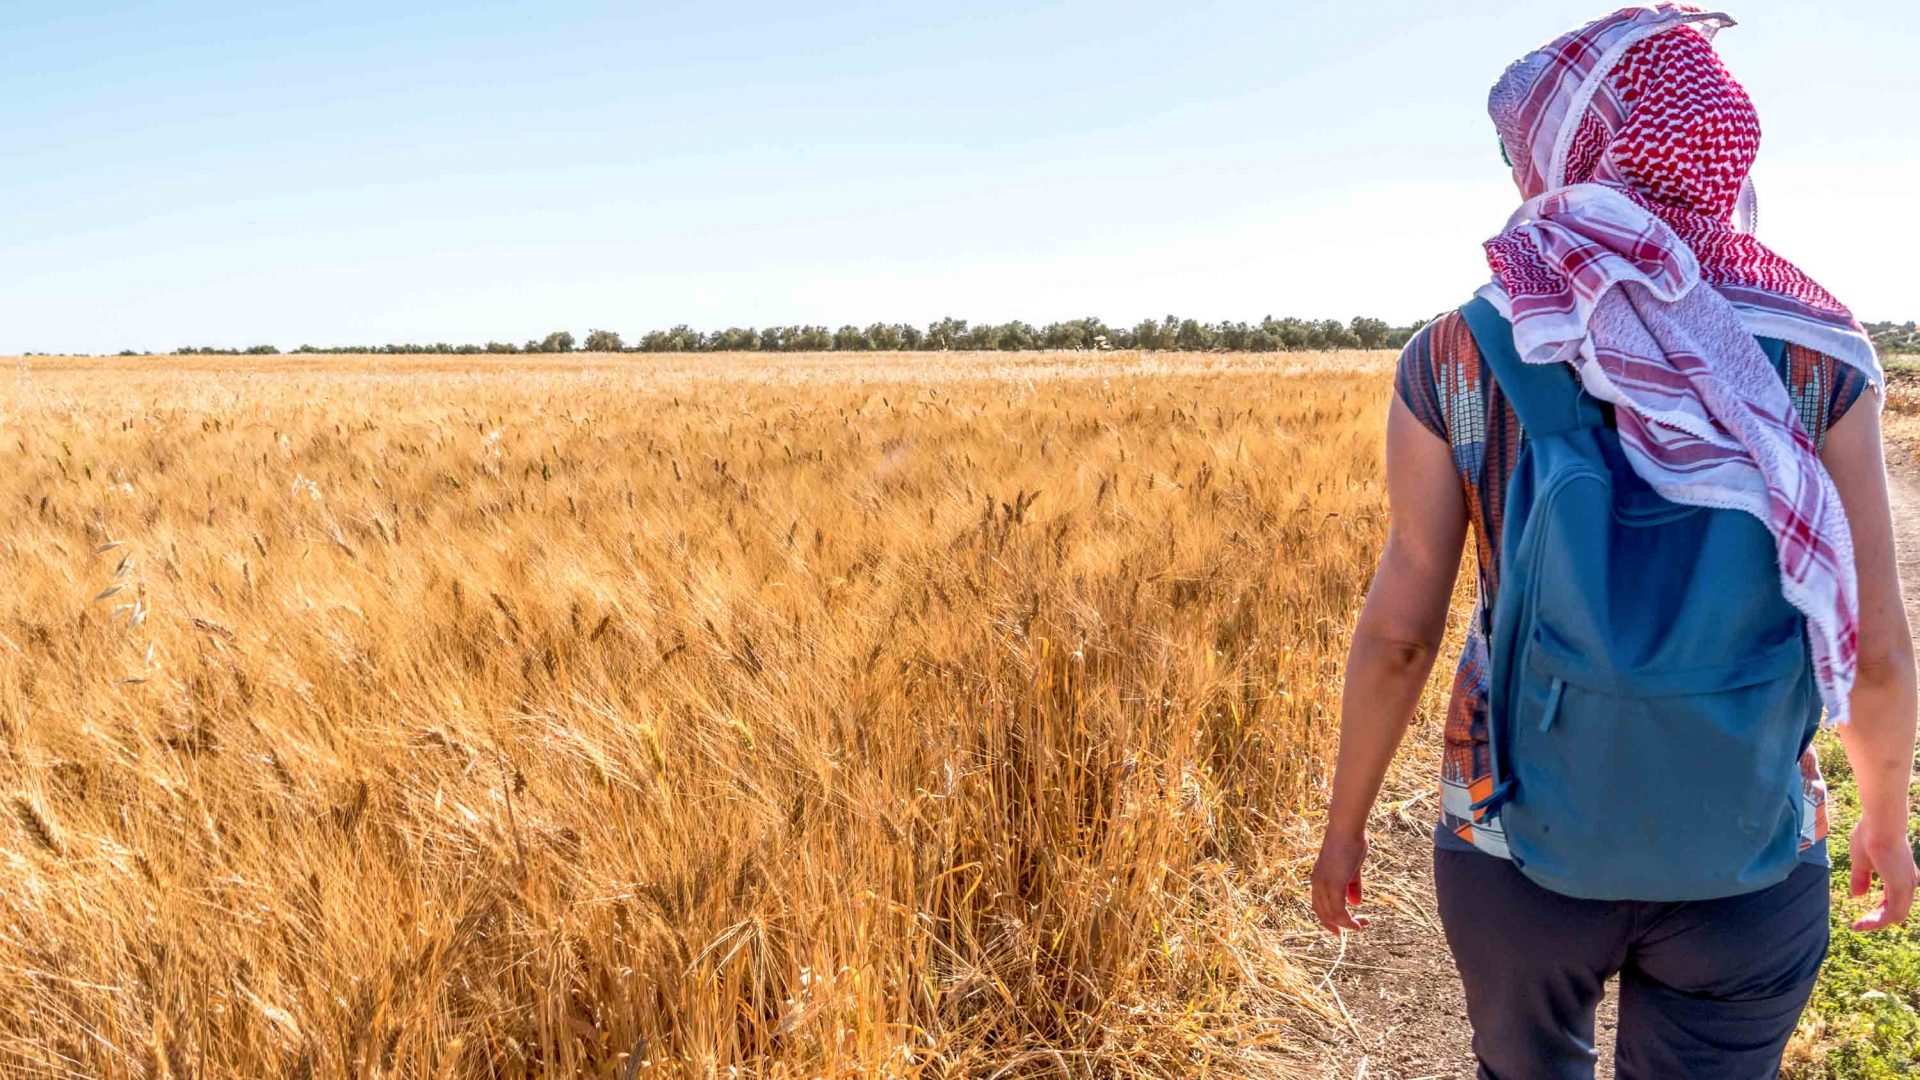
x: 1633, y: 258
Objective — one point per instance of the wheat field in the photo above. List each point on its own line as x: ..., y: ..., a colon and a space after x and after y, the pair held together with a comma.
x: 617, y: 716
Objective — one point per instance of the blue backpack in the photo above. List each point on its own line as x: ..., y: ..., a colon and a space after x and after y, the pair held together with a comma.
x: 1651, y: 689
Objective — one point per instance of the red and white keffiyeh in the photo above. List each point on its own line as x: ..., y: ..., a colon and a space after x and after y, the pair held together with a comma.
x: 1631, y: 144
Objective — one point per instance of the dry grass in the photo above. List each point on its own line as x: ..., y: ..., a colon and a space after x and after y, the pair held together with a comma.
x: 613, y: 716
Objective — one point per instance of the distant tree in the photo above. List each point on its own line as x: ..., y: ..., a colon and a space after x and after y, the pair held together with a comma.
x: 1287, y: 334
x: 851, y: 339
x: 604, y: 341
x: 911, y: 337
x: 1370, y: 333
x: 1074, y: 334
x: 1192, y: 334
x: 1149, y: 334
x: 1060, y: 335
x: 812, y: 339
x: 556, y: 342
x: 983, y: 336
x: 733, y: 339
x: 947, y: 334
x: 1330, y: 334
x: 1016, y: 335
x: 883, y: 336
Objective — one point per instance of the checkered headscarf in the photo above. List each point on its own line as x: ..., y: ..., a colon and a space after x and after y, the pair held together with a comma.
x: 1633, y: 258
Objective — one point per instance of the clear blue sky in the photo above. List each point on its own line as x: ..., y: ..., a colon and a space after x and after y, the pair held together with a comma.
x: 357, y: 172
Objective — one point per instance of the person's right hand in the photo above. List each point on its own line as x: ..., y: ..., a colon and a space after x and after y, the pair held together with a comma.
x: 1336, y: 882
x: 1880, y: 847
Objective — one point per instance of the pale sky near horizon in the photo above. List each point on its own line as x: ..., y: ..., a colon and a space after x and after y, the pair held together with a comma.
x: 365, y: 172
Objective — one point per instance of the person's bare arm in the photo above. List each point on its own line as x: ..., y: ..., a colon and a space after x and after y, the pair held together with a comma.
x: 1879, y: 737
x: 1395, y: 642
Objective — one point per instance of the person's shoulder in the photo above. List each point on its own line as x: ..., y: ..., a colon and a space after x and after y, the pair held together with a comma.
x: 1442, y: 340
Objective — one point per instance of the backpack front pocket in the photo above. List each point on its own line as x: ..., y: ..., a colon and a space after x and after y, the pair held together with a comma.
x: 1655, y: 785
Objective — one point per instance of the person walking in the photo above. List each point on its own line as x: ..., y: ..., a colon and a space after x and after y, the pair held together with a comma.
x: 1665, y: 439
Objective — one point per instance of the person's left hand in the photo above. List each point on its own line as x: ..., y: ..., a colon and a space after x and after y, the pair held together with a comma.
x: 1880, y: 847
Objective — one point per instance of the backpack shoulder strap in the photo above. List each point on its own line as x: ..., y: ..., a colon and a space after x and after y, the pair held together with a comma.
x: 1547, y: 397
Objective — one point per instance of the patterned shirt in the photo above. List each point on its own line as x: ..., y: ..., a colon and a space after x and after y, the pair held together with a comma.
x: 1441, y: 379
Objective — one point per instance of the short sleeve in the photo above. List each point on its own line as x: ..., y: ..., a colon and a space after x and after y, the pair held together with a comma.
x: 1415, y: 379
x: 1849, y: 383
x: 1823, y: 389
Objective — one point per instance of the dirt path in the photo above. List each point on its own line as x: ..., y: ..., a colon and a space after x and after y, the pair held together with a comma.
x: 1396, y: 983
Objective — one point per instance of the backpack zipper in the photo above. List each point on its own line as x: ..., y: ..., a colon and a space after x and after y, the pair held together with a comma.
x: 1553, y: 703
x: 1500, y: 770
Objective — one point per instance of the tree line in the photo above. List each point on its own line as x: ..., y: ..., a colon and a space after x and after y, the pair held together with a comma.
x: 1268, y: 335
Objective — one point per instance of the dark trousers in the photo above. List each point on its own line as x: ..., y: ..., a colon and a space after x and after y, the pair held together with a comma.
x: 1709, y: 990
